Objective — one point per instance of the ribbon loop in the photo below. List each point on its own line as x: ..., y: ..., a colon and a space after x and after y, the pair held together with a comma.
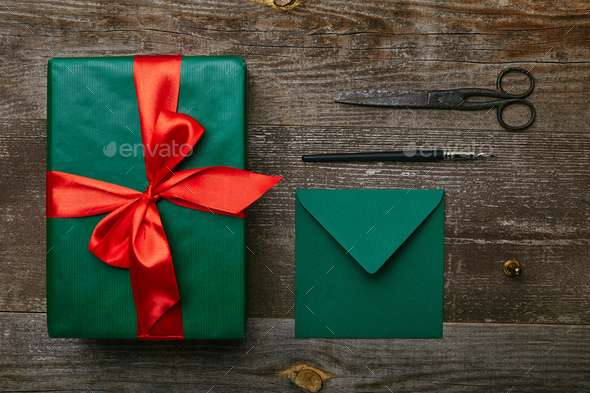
x: 175, y: 135
x: 110, y: 239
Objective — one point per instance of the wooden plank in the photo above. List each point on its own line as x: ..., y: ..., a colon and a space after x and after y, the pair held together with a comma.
x: 520, y: 205
x: 471, y: 357
x: 22, y: 215
x: 299, y: 60
x: 531, y: 203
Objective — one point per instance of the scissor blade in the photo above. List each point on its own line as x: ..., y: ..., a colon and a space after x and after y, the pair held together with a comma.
x: 387, y: 98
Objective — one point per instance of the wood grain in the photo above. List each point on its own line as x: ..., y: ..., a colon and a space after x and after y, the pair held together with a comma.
x: 531, y: 203
x: 300, y: 59
x: 22, y: 215
x: 471, y: 357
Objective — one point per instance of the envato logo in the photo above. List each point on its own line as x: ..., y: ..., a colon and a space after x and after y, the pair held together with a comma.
x: 413, y: 150
x: 139, y: 149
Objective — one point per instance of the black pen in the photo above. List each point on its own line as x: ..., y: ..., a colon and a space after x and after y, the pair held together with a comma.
x: 401, y: 156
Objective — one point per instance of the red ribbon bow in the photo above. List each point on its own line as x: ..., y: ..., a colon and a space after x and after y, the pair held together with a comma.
x: 132, y: 236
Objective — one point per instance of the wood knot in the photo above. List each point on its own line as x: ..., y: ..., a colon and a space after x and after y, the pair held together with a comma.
x: 284, y: 5
x: 307, y: 377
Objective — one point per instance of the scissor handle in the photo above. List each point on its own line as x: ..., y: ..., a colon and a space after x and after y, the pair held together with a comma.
x: 515, y: 69
x: 502, y: 104
x: 505, y: 99
x: 518, y: 98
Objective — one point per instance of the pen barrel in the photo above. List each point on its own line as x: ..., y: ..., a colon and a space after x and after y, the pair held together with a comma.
x: 460, y: 155
x: 400, y: 156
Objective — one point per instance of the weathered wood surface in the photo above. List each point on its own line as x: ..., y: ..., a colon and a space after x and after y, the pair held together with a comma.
x: 531, y: 203
x: 299, y: 59
x: 471, y: 357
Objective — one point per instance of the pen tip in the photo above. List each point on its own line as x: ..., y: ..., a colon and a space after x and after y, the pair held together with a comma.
x: 485, y: 155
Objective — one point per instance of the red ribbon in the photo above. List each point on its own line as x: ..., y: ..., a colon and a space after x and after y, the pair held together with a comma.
x: 132, y: 236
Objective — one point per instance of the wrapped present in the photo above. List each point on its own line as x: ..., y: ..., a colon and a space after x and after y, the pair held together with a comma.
x: 147, y: 195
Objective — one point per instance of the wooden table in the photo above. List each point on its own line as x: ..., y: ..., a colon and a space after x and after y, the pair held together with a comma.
x: 531, y: 203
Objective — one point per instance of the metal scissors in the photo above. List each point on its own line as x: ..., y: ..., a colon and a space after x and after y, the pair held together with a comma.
x: 448, y: 99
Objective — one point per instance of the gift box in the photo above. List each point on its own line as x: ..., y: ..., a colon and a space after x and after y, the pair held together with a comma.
x: 131, y: 217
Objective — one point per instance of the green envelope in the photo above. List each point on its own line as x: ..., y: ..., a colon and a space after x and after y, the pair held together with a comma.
x: 369, y: 263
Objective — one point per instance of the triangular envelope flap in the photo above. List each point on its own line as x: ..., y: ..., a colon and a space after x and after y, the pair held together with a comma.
x: 370, y: 224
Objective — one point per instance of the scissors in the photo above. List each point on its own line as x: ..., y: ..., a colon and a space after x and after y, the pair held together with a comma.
x: 448, y: 99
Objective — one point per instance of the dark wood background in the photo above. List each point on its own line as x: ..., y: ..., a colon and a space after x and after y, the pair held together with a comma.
x: 531, y: 203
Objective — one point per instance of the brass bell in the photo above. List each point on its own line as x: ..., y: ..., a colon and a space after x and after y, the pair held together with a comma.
x: 512, y: 268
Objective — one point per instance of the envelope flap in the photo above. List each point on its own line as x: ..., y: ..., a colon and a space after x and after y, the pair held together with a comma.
x: 370, y: 224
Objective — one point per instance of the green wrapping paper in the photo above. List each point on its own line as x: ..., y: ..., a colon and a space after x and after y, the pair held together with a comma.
x: 93, y: 130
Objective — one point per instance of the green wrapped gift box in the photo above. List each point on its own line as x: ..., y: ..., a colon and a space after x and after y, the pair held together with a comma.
x: 93, y: 130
